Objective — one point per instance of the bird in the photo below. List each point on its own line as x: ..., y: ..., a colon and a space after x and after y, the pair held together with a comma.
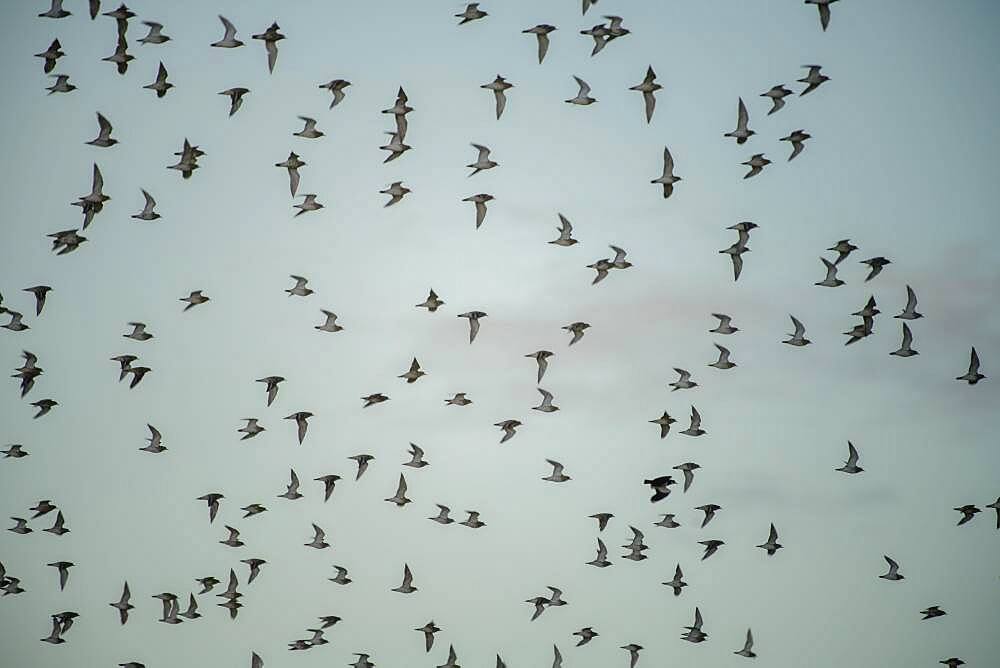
x: 771, y: 545
x: 735, y: 253
x: 254, y: 565
x: 407, y: 586
x: 309, y: 131
x: 212, y: 499
x: 399, y: 110
x: 341, y: 576
x: 633, y: 653
x: 932, y: 612
x: 910, y: 310
x: 443, y: 515
x: 228, y: 40
x: 541, y: 31
x: 336, y: 88
x: 851, y: 465
x: 797, y: 139
x: 58, y: 526
x: 557, y: 660
x: 432, y: 303
x: 509, y: 428
x: 893, y: 573
x: 577, y: 329
x: 565, y: 233
x: 996, y: 506
x: 499, y: 85
x: 250, y: 429
x: 776, y: 95
x: 318, y: 542
x: 602, y: 267
x: 586, y: 634
x: 271, y: 387
x: 688, y: 469
x: 292, y: 164
x: 15, y: 324
x: 742, y: 132
x: 583, y: 96
x: 725, y: 325
x: 824, y: 10
x: 458, y: 400
x: 546, y: 405
x: 93, y: 202
x: 155, y: 441
x: 831, y: 280
x: 235, y: 98
x: 667, y: 178
x: 43, y: 507
x: 667, y: 521
x: 843, y: 248
x: 138, y: 373
x: 557, y: 474
x: 480, y: 201
x: 483, y: 161
x: 301, y: 422
x: 121, y: 57
x: 292, y: 488
x: 968, y: 512
x: 709, y: 509
x: 233, y: 540
x: 55, y: 636
x: 601, y: 560
x: 399, y: 498
x: 192, y: 609
x: 452, y: 661
x: 664, y: 421
x: 904, y: 349
x: 660, y: 486
x: 373, y: 399
x: 677, y: 584
x: 952, y: 662
x: 747, y: 650
x: 330, y: 324
x: 271, y: 37
x: 123, y: 605
x: 471, y: 13
x: 473, y: 317
x: 155, y: 34
x: 43, y: 406
x: 472, y: 521
x: 619, y: 261
x: 636, y: 547
x: 20, y: 526
x: 160, y: 85
x: 104, y: 138
x: 362, y: 461
x: 540, y: 602
x: 813, y: 79
x: 417, y: 460
x: 541, y: 358
x: 194, y: 299
x: 695, y: 633
x: 756, y: 163
x: 648, y: 87
x: 53, y: 54
x: 396, y: 191
x: 798, y: 337
x: 428, y: 629
x: 723, y: 361
x: 63, y: 568
x: 972, y: 376
x: 65, y: 241
x: 299, y: 289
x: 14, y: 452
x: 711, y: 547
x: 875, y: 264
x: 147, y: 212
x: 602, y: 520
x: 683, y: 381
x: 61, y: 84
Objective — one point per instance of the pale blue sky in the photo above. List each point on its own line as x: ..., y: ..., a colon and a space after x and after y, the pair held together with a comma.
x: 902, y: 161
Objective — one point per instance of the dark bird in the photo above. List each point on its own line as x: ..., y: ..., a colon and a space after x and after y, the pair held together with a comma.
x: 660, y: 486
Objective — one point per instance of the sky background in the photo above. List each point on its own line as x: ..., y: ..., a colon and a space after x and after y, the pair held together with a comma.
x: 902, y: 162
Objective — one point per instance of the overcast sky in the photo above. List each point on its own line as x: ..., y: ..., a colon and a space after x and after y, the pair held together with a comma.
x: 902, y: 162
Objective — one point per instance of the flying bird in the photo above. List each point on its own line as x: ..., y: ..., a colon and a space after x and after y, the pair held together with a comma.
x: 972, y: 376
x: 271, y: 37
x: 797, y: 338
x: 824, y: 11
x: 509, y: 428
x: 875, y: 265
x: 473, y: 317
x: 557, y: 474
x: 301, y: 422
x: 583, y: 96
x: 160, y: 85
x: 483, y: 161
x: 51, y: 55
x: 480, y: 201
x: 228, y: 40
x: 336, y: 88
x: 648, y: 87
x: 742, y: 131
x: 797, y: 139
x: 396, y: 191
x: 776, y: 95
x: 756, y: 163
x: 813, y: 79
x: 292, y: 164
x: 250, y: 429
x: 399, y: 498
x: 893, y: 573
x: 407, y: 586
x: 432, y: 303
x: 546, y: 406
x: 271, y: 387
x: 565, y: 233
x: 235, y: 98
x: 851, y: 465
x: 471, y: 13
x: 905, y: 349
x: 155, y: 34
x: 667, y: 179
x: 677, y: 584
x: 499, y: 85
x: 771, y: 545
x: 541, y: 31
x: 747, y: 650
x: 664, y: 421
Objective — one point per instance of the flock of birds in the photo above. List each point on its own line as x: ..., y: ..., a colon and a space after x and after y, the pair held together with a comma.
x: 129, y: 365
